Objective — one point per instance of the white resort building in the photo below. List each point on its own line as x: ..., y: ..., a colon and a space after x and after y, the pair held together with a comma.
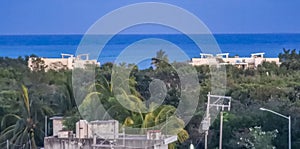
x: 240, y: 62
x: 67, y: 61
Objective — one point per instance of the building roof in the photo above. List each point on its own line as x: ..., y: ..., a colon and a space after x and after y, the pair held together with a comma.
x: 56, y: 118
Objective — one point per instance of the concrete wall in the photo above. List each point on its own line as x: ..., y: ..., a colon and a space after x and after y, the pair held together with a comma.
x: 75, y: 143
x: 234, y: 61
x: 56, y: 143
x: 203, y: 61
x: 82, y: 130
x: 143, y: 144
x: 104, y: 129
x: 57, y: 126
x: 276, y: 60
x: 82, y: 63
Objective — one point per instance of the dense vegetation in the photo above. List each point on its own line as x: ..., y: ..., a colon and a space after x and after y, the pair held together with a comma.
x: 27, y: 97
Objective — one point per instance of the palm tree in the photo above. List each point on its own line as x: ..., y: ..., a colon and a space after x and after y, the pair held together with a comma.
x: 91, y: 107
x: 161, y: 60
x: 22, y: 132
x: 133, y: 115
x: 103, y: 102
x: 68, y: 102
x: 161, y: 117
x: 162, y: 55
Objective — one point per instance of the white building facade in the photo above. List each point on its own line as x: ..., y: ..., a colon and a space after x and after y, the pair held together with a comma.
x: 240, y: 62
x: 66, y: 62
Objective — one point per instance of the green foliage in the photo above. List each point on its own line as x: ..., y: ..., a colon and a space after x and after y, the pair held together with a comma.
x: 255, y: 138
x: 22, y: 131
x: 69, y: 122
x: 51, y: 93
x: 290, y: 59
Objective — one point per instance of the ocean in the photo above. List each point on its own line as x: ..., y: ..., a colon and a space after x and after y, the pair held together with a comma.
x: 236, y: 44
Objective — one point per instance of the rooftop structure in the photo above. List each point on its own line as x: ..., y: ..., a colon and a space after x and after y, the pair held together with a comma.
x: 67, y: 61
x: 240, y: 62
x: 57, y: 124
x: 104, y: 134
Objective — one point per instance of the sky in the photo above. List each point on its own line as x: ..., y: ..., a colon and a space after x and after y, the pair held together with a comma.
x: 77, y: 16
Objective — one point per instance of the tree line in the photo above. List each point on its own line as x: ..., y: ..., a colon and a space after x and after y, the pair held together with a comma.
x: 26, y: 97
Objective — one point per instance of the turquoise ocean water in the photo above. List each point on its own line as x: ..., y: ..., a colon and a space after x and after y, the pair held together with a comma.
x: 235, y: 44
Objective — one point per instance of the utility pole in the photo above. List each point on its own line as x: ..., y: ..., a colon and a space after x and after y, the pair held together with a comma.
x: 218, y: 103
x: 206, y: 122
x: 7, y: 144
x: 221, y: 130
x: 46, y: 126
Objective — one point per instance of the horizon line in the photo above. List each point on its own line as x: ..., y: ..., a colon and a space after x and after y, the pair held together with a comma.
x: 41, y: 34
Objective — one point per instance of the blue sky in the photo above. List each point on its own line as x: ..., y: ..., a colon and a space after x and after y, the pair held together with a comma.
x: 76, y: 16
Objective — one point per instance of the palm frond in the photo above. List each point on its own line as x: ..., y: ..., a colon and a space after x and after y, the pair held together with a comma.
x: 3, y: 121
x: 26, y: 99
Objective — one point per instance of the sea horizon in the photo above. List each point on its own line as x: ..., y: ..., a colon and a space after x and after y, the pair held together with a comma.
x: 81, y: 34
x: 51, y: 46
